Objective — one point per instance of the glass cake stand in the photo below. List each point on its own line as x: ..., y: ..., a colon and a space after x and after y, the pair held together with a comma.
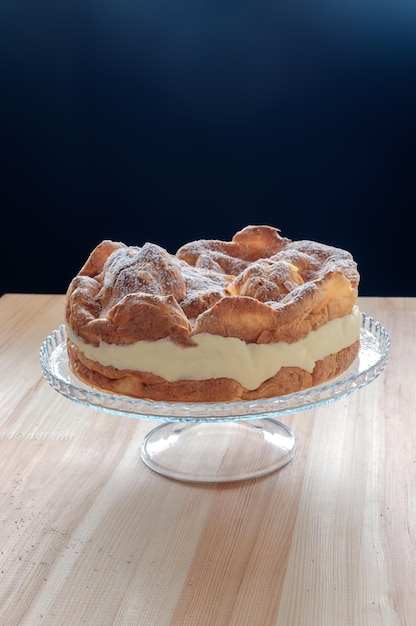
x: 218, y: 442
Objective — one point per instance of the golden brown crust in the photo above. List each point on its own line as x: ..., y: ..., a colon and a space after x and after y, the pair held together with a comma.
x: 150, y: 387
x: 259, y: 287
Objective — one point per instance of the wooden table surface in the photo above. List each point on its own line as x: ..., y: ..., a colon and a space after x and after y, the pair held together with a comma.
x: 90, y: 535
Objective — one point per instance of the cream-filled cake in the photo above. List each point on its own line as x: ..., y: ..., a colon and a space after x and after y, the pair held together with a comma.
x: 256, y: 317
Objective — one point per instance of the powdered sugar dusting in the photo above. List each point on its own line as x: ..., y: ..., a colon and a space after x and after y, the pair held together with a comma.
x: 258, y: 267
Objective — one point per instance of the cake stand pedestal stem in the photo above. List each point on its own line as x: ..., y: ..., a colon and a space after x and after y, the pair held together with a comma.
x: 218, y: 451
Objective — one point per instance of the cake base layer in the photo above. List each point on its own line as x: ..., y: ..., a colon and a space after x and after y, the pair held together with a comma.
x: 151, y: 387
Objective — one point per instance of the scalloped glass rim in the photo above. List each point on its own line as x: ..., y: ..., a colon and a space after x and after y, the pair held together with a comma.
x: 372, y: 359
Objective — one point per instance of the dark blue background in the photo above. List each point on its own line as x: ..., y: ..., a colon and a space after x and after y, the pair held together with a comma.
x: 164, y: 121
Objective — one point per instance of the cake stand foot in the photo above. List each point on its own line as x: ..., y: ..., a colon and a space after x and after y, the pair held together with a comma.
x: 218, y: 451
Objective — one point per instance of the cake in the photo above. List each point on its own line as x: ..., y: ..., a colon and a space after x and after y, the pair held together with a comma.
x: 218, y: 321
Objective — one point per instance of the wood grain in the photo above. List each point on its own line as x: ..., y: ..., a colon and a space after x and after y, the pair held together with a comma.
x: 90, y: 535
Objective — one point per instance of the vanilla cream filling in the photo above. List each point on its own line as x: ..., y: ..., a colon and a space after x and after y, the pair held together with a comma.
x: 217, y: 357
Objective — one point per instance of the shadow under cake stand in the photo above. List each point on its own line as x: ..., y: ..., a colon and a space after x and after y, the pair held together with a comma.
x: 218, y: 442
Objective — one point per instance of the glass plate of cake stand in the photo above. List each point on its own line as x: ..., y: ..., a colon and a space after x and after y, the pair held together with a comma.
x: 218, y: 442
